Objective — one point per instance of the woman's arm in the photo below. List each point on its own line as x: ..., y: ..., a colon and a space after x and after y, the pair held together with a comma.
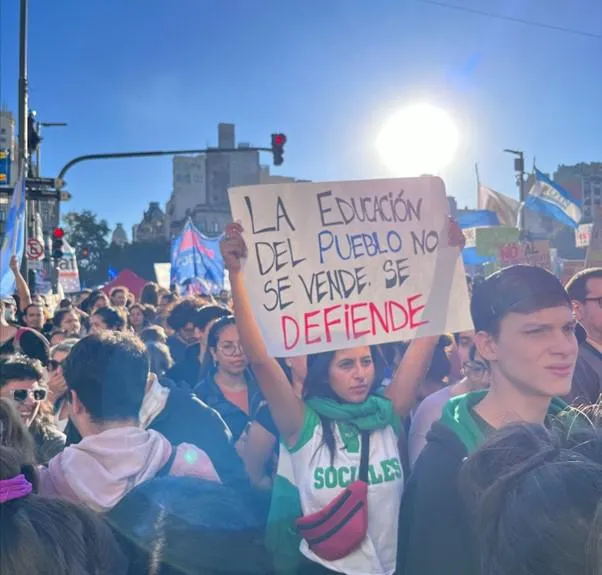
x: 257, y: 451
x: 22, y: 287
x: 410, y: 372
x: 287, y: 409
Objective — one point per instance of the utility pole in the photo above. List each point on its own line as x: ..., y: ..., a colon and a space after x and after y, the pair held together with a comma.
x: 23, y: 115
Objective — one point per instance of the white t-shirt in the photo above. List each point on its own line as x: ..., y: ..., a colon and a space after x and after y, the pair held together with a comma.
x: 319, y: 483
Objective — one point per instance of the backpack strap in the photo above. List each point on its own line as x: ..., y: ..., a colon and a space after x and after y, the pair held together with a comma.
x: 164, y: 471
x: 364, y: 456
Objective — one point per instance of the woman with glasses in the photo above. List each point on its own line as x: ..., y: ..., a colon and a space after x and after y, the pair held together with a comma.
x: 476, y: 376
x: 226, y: 383
x: 22, y: 381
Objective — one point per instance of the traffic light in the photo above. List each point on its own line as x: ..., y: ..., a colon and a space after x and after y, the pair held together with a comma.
x: 85, y: 253
x: 278, y: 141
x: 33, y: 133
x: 58, y: 243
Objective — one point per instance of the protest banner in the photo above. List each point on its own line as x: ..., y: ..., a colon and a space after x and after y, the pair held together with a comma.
x: 489, y: 240
x: 535, y: 253
x: 583, y: 235
x: 593, y: 258
x: 341, y: 264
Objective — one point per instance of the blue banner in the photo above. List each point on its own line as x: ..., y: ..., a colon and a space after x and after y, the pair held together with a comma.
x: 14, y: 238
x: 477, y: 219
x: 196, y: 258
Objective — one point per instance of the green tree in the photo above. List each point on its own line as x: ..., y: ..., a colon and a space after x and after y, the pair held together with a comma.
x: 88, y: 236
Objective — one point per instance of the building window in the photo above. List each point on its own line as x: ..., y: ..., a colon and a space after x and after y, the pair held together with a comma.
x: 215, y: 227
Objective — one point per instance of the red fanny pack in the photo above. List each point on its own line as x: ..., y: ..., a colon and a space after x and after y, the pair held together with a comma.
x: 338, y: 529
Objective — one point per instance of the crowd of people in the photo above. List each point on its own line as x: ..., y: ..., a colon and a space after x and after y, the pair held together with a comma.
x: 156, y: 436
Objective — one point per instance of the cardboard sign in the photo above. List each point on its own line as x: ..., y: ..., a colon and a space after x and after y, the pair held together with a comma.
x: 536, y: 253
x: 341, y: 264
x: 490, y: 240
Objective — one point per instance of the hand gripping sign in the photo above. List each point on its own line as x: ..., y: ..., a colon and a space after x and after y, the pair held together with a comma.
x: 340, y: 264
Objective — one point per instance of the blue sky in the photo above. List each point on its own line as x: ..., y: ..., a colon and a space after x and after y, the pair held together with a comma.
x: 133, y: 75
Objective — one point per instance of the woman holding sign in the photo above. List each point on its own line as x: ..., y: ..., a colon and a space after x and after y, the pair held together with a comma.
x: 341, y: 436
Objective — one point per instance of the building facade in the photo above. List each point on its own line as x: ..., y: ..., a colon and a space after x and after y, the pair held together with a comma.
x: 8, y: 149
x: 152, y: 228
x: 200, y: 183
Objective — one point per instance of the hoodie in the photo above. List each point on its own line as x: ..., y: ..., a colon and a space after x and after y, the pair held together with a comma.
x: 101, y: 469
x: 435, y: 533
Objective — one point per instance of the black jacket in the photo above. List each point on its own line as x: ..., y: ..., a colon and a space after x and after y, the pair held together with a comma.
x: 236, y: 419
x: 436, y: 536
x: 186, y: 419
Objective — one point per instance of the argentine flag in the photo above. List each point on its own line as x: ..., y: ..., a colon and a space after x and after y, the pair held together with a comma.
x: 14, y: 238
x: 548, y: 198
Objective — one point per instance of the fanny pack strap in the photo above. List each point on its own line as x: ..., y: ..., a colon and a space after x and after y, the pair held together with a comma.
x: 364, y: 456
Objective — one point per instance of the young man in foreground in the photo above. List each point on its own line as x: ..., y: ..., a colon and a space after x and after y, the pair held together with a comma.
x: 526, y: 332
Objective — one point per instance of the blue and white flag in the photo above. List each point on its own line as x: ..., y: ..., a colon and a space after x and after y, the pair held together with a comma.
x: 14, y: 238
x: 196, y: 258
x: 551, y: 199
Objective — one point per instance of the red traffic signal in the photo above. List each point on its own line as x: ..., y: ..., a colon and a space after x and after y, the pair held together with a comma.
x: 278, y: 141
x: 58, y: 233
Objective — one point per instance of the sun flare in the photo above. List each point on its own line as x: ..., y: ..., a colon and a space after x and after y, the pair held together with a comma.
x: 417, y: 140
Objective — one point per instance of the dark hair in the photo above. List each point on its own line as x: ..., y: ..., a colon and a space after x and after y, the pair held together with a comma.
x: 208, y: 364
x: 60, y: 314
x: 65, y: 303
x: 440, y: 366
x: 317, y: 384
x: 153, y: 334
x: 517, y: 289
x: 537, y: 498
x: 27, y: 308
x: 14, y: 434
x: 51, y: 536
x: 20, y: 367
x: 185, y: 525
x: 109, y: 372
x: 148, y: 312
x: 118, y: 289
x: 208, y: 313
x: 150, y: 294
x: 89, y: 303
x: 159, y: 357
x: 577, y: 285
x: 112, y: 318
x: 182, y: 313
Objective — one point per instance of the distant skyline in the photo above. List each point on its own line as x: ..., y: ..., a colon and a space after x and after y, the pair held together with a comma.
x: 157, y: 75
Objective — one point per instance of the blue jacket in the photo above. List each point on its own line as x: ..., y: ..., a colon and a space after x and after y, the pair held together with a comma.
x: 236, y: 419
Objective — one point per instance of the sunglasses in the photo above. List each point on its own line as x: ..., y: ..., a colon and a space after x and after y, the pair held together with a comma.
x: 21, y: 395
x: 53, y: 364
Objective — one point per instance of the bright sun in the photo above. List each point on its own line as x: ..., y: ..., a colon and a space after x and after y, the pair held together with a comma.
x: 420, y: 139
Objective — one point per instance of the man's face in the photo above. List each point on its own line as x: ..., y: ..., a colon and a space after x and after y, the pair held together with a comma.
x: 589, y: 312
x: 535, y: 352
x: 26, y: 394
x: 465, y: 339
x: 35, y: 317
x: 119, y: 299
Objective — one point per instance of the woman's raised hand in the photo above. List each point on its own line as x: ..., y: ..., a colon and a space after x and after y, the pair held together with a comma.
x: 233, y: 247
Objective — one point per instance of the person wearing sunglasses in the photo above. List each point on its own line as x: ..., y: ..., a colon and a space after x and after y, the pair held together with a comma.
x: 476, y: 377
x: 22, y: 381
x: 585, y: 291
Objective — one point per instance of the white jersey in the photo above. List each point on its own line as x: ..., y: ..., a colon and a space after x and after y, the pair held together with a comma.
x: 319, y: 483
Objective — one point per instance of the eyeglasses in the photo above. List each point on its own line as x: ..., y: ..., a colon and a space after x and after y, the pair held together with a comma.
x: 598, y: 299
x: 21, y: 395
x: 53, y: 364
x: 230, y: 348
x: 476, y: 367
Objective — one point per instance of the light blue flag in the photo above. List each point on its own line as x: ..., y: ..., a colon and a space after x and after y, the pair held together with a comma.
x: 14, y: 238
x: 549, y: 198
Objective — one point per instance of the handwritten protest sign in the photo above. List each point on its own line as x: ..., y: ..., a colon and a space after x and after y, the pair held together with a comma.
x: 536, y: 253
x: 340, y: 264
x: 583, y: 235
x: 490, y: 239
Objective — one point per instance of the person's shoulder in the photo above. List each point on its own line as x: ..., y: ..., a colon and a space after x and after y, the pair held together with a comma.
x: 443, y: 450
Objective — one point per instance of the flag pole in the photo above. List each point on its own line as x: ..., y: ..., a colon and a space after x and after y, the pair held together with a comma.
x: 478, y: 177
